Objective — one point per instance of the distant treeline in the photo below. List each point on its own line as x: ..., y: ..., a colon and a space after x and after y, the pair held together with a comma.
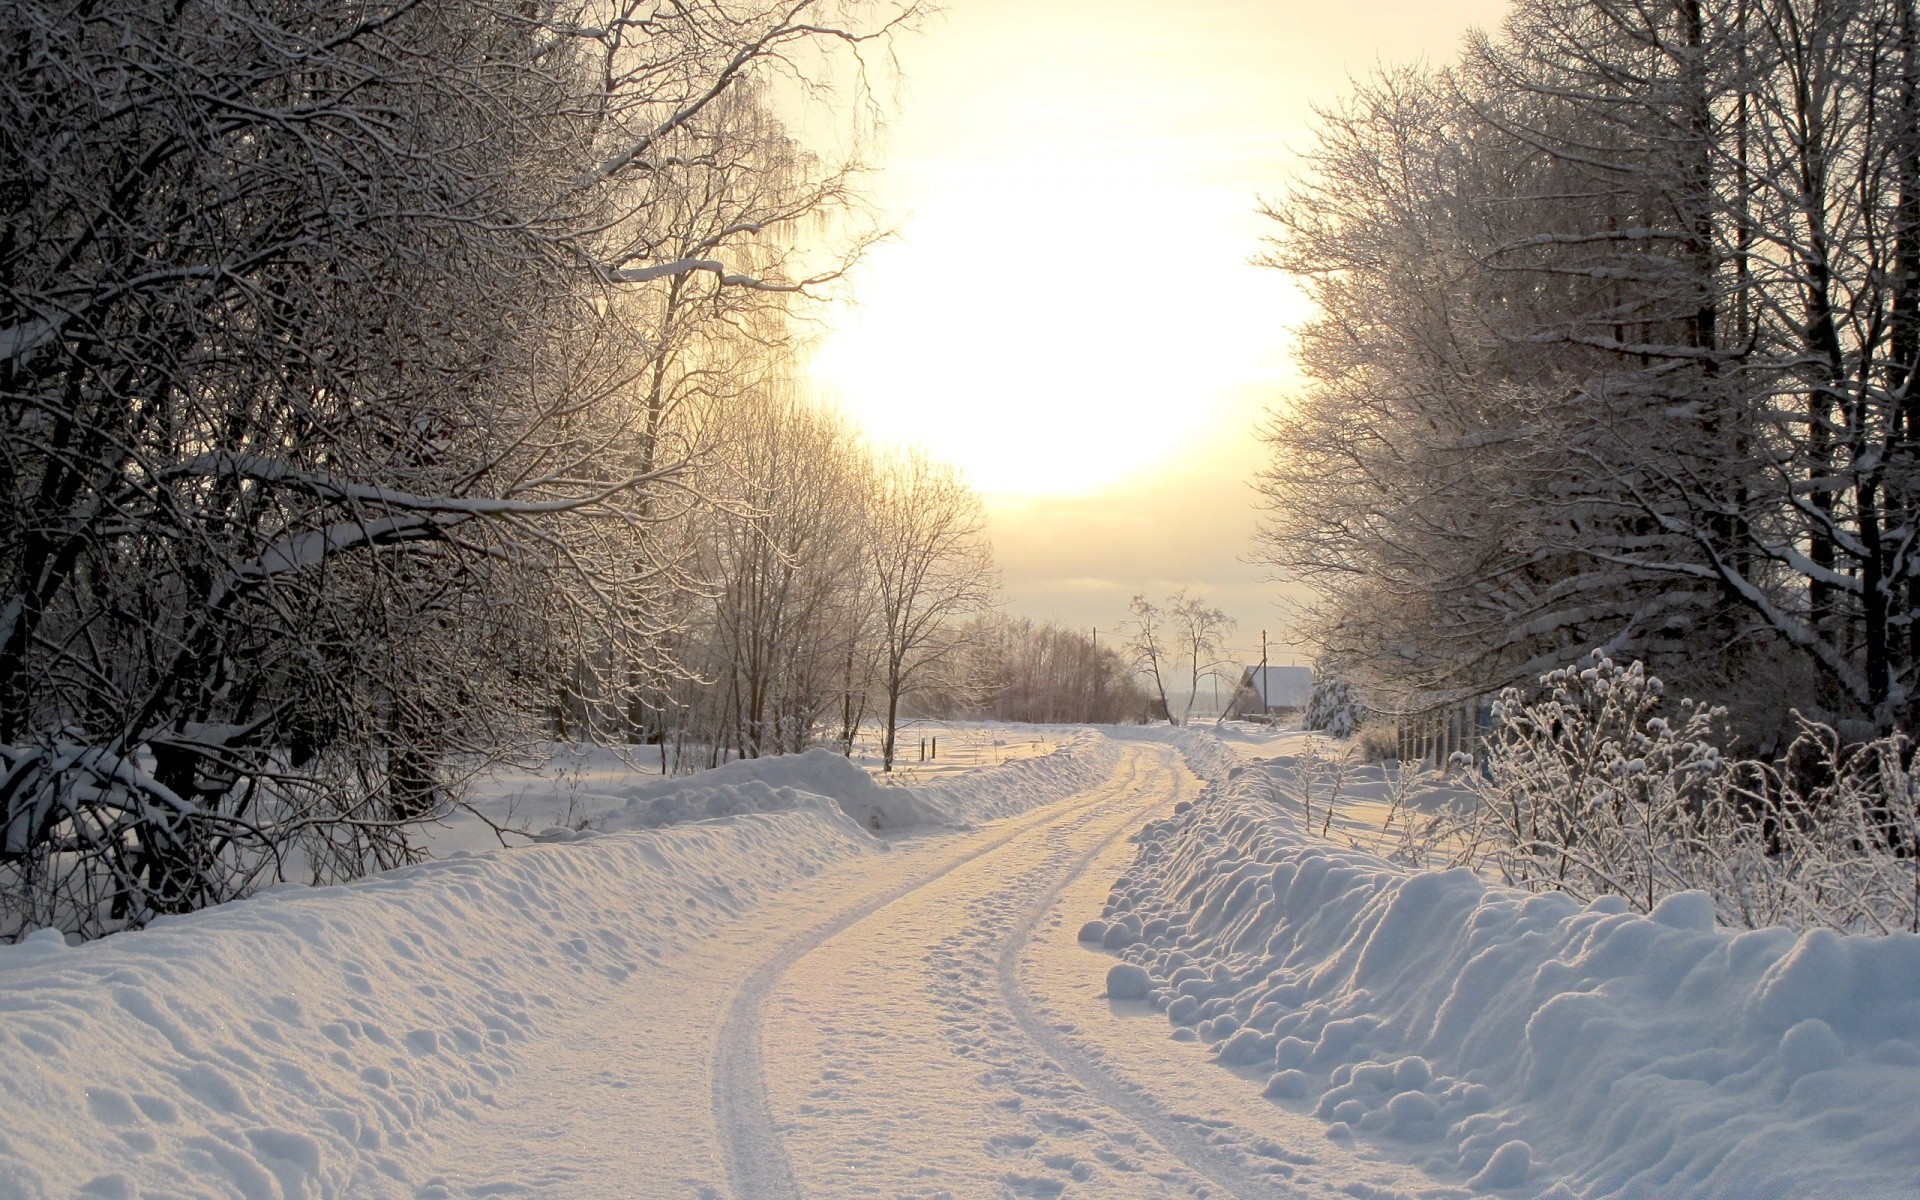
x: 1016, y: 669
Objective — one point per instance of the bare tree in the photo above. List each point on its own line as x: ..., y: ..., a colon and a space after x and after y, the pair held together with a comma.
x: 785, y: 561
x: 931, y: 569
x: 1149, y: 640
x: 1042, y: 672
x: 1197, y: 631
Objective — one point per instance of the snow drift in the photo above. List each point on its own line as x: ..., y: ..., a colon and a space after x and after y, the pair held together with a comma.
x: 824, y: 779
x: 819, y: 779
x: 298, y: 1043
x: 1502, y: 1038
x: 310, y: 1042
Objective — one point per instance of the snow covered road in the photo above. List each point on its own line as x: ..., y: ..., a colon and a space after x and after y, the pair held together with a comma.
x: 731, y: 987
x: 770, y: 1004
x: 949, y: 1037
x: 916, y: 1023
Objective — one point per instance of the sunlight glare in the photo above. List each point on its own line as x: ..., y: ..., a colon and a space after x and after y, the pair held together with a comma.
x: 1052, y: 325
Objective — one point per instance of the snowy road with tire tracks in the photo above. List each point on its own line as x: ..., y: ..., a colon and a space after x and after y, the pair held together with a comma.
x: 948, y: 1037
x: 731, y: 987
x: 920, y: 1023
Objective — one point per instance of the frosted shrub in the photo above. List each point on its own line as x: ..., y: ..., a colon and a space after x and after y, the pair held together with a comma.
x: 93, y: 841
x: 1332, y: 710
x: 1588, y: 790
x: 1584, y: 783
x: 1378, y: 741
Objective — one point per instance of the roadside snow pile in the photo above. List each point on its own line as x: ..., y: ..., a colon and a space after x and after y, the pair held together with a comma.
x: 820, y: 778
x: 308, y: 1041
x: 1503, y: 1038
x: 1207, y: 754
x: 325, y: 1041
x: 1083, y: 760
x: 824, y: 779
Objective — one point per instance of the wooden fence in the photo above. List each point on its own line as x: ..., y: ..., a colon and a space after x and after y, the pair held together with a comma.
x: 1437, y: 734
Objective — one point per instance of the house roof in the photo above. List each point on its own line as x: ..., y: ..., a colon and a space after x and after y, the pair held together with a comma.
x: 1279, y: 687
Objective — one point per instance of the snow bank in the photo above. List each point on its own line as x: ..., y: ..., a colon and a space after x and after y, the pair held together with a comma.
x: 319, y: 1042
x: 824, y: 779
x: 300, y: 1043
x: 820, y: 778
x: 1502, y: 1038
x: 1083, y: 759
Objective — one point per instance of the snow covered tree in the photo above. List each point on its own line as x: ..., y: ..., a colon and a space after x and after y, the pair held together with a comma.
x: 1332, y: 708
x: 785, y: 561
x: 325, y: 442
x: 1618, y: 324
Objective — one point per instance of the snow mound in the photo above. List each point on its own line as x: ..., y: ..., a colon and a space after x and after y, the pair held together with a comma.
x: 307, y: 1041
x: 820, y: 779
x: 1506, y: 1039
x: 825, y: 780
x: 1082, y: 760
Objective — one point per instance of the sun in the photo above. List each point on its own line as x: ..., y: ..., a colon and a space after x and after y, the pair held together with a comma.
x: 1053, y: 325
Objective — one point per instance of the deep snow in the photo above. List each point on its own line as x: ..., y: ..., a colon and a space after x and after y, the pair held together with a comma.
x: 783, y: 976
x: 1504, y: 1040
x: 579, y: 784
x: 314, y: 1042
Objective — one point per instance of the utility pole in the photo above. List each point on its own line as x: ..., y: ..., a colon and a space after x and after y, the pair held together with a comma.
x: 1266, y: 703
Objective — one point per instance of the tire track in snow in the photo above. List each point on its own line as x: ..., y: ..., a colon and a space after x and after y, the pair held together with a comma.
x: 755, y: 1156
x: 1178, y: 1138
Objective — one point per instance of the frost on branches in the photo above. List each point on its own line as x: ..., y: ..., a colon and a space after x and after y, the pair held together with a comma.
x: 1589, y: 790
x: 340, y: 354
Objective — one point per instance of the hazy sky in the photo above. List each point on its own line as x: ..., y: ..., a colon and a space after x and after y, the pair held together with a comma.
x: 1069, y: 312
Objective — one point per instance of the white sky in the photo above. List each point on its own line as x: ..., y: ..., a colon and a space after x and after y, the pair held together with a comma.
x: 1069, y: 313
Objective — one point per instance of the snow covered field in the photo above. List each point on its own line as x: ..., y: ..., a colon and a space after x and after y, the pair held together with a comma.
x: 1118, y: 969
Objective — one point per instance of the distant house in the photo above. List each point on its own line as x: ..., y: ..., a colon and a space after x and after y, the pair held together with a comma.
x: 1272, y: 693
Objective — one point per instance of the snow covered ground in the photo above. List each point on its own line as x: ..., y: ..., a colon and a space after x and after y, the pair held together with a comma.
x: 580, y: 783
x: 1520, y: 1044
x: 782, y: 978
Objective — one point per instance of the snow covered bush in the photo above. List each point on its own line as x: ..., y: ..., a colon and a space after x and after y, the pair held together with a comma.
x: 1584, y: 784
x: 1587, y: 789
x: 1332, y: 709
x: 93, y: 839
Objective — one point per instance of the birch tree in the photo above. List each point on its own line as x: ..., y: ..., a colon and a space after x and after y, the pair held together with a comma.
x: 931, y: 569
x: 1199, y: 629
x: 1148, y: 638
